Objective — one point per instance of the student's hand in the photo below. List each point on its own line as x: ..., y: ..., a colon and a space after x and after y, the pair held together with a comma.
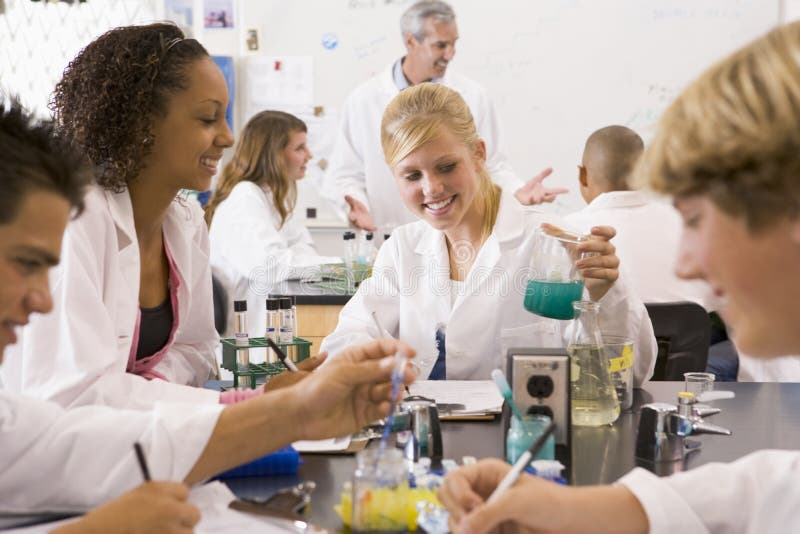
x: 153, y: 507
x: 351, y: 391
x: 288, y: 378
x: 525, y: 507
x: 533, y: 192
x: 359, y: 215
x: 601, y: 269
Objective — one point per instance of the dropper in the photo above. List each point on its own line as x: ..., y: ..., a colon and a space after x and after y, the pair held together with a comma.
x: 505, y: 390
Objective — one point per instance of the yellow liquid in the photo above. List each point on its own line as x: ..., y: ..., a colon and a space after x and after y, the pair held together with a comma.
x: 594, y: 399
x: 594, y: 413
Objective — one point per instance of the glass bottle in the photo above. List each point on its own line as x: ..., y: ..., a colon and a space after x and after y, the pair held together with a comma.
x: 594, y: 399
x: 380, y: 491
x: 522, y: 434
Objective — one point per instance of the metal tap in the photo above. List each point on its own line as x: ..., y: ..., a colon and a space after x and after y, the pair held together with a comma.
x: 663, y: 429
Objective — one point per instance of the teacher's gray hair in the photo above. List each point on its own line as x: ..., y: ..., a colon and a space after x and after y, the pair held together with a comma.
x: 415, y: 16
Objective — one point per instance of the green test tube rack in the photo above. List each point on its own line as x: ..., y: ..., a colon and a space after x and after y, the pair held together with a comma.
x: 302, y: 348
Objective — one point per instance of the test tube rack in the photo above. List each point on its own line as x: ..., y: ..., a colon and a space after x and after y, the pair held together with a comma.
x: 257, y: 370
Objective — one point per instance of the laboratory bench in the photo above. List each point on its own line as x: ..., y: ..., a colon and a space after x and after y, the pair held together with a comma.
x: 761, y: 416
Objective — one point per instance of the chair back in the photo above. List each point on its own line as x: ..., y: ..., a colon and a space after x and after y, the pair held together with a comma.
x: 683, y: 333
x: 220, y: 305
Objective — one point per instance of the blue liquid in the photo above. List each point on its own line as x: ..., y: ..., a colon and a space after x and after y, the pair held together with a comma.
x: 553, y: 299
x: 521, y: 436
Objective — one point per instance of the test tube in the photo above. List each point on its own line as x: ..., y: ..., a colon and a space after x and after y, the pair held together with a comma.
x: 287, y: 326
x: 273, y: 326
x: 242, y: 338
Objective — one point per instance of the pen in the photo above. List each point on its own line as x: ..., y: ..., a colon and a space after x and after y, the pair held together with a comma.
x: 289, y: 364
x: 521, y: 464
x: 142, y: 461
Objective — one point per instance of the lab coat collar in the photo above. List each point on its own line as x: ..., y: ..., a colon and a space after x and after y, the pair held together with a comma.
x: 121, y: 210
x: 389, y: 85
x: 618, y: 199
x: 508, y: 228
x: 175, y: 234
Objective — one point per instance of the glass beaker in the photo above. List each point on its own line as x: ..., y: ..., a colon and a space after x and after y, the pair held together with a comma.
x: 380, y: 491
x: 554, y: 283
x: 699, y: 383
x: 594, y: 399
x: 619, y: 351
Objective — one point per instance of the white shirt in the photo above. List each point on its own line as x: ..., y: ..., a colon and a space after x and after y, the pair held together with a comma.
x: 647, y: 240
x: 78, y: 353
x: 357, y: 164
x: 251, y: 252
x: 59, y: 460
x: 740, y: 497
x: 410, y: 292
x: 783, y: 369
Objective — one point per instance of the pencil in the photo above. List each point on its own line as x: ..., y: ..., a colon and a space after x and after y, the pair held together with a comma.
x: 521, y: 464
x: 142, y: 461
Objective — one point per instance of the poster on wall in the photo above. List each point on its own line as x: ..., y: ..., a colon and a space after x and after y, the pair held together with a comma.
x: 181, y: 12
x: 217, y: 14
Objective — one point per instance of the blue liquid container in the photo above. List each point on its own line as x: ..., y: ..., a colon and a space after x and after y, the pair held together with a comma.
x: 553, y: 299
x: 521, y: 436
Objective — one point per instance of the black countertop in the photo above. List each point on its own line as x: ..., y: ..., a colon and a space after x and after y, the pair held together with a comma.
x: 761, y: 416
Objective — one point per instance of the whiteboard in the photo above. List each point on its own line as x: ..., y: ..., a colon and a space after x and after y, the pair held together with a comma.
x: 556, y: 69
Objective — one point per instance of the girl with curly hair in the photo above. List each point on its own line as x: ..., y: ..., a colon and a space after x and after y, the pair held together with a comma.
x: 255, y: 242
x: 133, y: 318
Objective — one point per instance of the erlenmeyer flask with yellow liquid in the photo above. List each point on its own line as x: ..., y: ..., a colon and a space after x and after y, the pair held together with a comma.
x: 594, y: 398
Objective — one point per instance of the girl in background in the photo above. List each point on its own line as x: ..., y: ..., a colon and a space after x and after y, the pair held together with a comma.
x: 255, y: 242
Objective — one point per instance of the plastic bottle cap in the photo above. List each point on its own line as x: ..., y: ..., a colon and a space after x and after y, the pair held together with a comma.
x: 239, y: 305
x: 285, y: 303
x: 685, y: 395
x: 272, y: 304
x: 369, y: 236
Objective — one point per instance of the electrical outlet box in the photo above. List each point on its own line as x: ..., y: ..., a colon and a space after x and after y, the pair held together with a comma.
x: 540, y: 384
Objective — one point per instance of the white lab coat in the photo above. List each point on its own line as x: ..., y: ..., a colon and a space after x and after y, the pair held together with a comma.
x: 78, y: 353
x: 410, y: 293
x: 357, y: 164
x: 783, y: 369
x: 740, y: 497
x: 647, y: 240
x: 58, y: 460
x: 250, y: 253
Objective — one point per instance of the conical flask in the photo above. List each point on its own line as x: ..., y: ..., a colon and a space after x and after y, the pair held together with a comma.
x: 594, y: 399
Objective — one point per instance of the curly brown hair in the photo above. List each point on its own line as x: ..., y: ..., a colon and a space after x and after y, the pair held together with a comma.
x: 109, y: 94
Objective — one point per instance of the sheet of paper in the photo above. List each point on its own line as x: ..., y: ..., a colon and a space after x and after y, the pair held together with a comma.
x: 323, y: 445
x: 477, y: 396
x: 213, y: 499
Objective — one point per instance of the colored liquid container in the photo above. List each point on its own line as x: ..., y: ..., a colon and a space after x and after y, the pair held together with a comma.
x: 522, y: 435
x: 553, y: 299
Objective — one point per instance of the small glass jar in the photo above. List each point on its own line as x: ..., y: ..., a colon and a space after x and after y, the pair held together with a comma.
x: 521, y: 436
x: 619, y: 351
x: 380, y: 491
